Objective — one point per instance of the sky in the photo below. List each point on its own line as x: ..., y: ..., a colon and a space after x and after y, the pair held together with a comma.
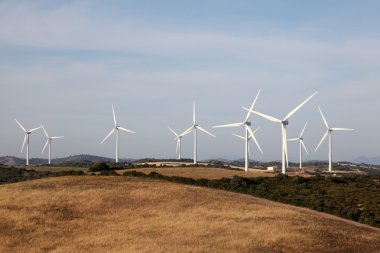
x: 64, y: 63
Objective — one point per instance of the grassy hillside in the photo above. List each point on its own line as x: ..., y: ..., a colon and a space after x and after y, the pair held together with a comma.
x: 124, y: 214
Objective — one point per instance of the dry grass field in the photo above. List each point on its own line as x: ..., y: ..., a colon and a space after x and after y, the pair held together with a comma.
x: 122, y: 214
x: 210, y: 173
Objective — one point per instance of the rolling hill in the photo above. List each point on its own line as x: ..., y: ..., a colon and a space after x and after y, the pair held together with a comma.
x: 11, y: 160
x: 123, y: 214
x: 367, y: 160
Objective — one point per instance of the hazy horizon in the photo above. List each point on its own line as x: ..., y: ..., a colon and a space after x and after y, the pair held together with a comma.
x: 64, y: 63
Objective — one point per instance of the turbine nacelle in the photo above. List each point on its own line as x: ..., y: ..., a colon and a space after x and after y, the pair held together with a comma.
x: 248, y: 123
x: 285, y: 122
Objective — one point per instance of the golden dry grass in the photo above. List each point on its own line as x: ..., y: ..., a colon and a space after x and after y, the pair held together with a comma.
x: 120, y: 214
x: 204, y: 172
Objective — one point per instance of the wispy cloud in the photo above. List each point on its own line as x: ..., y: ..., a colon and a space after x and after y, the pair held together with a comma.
x: 75, y: 27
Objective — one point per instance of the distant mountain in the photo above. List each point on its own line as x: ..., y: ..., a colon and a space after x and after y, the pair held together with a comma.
x: 11, y: 160
x: 367, y: 160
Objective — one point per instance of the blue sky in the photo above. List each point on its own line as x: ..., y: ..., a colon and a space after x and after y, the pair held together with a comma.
x: 63, y: 63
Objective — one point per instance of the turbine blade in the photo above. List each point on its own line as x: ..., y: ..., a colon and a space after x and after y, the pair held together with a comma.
x: 251, y: 108
x: 203, y: 130
x: 114, y: 117
x: 47, y: 136
x: 171, y: 130
x: 298, y: 107
x: 34, y: 129
x: 285, y: 145
x: 323, y: 138
x: 323, y: 117
x: 294, y: 139
x: 23, y: 129
x: 267, y: 117
x: 249, y: 131
x: 255, y: 140
x: 342, y: 129
x: 57, y: 137
x: 108, y: 135
x: 229, y: 125
x: 23, y: 143
x: 257, y: 129
x: 125, y: 130
x: 304, y: 147
x: 187, y: 131
x: 47, y: 142
x: 241, y: 137
x: 303, y: 130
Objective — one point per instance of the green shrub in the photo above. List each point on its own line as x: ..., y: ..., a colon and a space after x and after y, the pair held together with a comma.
x: 99, y: 166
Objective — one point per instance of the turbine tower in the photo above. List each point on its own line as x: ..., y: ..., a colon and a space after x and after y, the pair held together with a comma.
x: 195, y: 127
x: 249, y: 138
x: 116, y: 129
x: 178, y: 138
x: 329, y: 133
x: 48, y: 141
x: 301, y: 144
x: 26, y: 139
x: 284, y: 123
x: 248, y: 131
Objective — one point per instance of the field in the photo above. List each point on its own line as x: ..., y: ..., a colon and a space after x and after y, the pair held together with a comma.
x: 124, y: 214
x: 204, y: 172
x: 56, y: 168
x: 209, y: 172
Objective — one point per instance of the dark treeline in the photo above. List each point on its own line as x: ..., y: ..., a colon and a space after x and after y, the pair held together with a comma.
x: 354, y: 197
x: 9, y: 174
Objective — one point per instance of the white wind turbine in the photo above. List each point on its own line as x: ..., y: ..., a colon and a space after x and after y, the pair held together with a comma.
x: 249, y: 138
x: 116, y: 129
x: 329, y: 133
x: 284, y: 123
x: 48, y: 141
x: 195, y: 127
x: 301, y: 144
x: 248, y: 131
x: 26, y: 139
x: 178, y: 137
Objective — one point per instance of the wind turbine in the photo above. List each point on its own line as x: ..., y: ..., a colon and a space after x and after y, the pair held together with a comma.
x: 284, y: 123
x: 248, y: 131
x: 116, y: 129
x: 48, y: 141
x: 26, y: 139
x: 195, y: 127
x: 178, y: 137
x: 329, y: 133
x: 249, y: 138
x: 302, y: 144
